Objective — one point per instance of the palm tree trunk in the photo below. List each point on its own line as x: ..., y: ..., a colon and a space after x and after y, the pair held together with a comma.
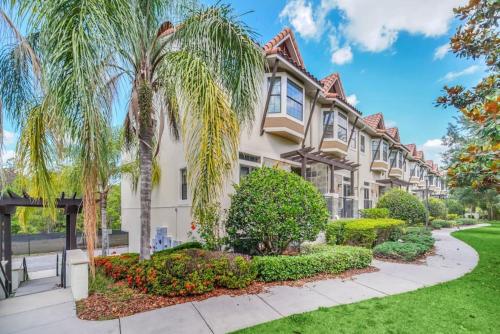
x: 103, y: 201
x: 146, y: 163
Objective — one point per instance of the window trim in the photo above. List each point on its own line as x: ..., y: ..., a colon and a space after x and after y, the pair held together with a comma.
x: 286, y: 97
x: 280, y: 95
x: 325, y: 113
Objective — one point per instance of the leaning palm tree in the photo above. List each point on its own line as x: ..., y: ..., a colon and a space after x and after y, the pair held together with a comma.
x: 201, y: 77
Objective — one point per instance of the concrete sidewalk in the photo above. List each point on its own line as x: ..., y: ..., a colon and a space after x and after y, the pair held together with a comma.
x: 54, y: 311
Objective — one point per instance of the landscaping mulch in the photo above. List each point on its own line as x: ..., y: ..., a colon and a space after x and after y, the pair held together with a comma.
x: 419, y: 260
x: 122, y: 301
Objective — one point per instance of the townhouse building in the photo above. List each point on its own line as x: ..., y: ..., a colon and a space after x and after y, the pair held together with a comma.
x: 306, y: 126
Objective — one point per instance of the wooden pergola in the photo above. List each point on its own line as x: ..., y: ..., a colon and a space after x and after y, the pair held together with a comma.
x: 394, y: 181
x: 307, y: 155
x: 8, y: 204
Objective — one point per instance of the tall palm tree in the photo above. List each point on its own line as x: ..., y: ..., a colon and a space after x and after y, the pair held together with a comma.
x: 200, y: 77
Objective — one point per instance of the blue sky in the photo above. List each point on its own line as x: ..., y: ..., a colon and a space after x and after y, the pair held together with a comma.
x: 385, y: 52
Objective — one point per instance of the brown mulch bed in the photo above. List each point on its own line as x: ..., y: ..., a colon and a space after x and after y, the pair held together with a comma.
x: 123, y: 301
x: 419, y: 260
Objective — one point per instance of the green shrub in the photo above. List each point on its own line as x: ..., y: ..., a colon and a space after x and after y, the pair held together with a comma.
x: 328, y: 260
x: 375, y: 213
x: 422, y: 237
x: 273, y: 208
x: 455, y: 207
x: 191, y: 272
x: 407, y: 251
x: 186, y: 245
x: 440, y: 223
x: 404, y: 206
x: 100, y: 282
x: 452, y: 216
x: 466, y: 221
x: 363, y: 232
x: 437, y: 208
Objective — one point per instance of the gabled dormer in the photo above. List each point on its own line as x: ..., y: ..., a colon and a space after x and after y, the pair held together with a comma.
x: 285, y: 44
x: 332, y: 86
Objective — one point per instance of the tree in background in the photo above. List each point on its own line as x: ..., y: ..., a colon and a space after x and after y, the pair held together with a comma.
x: 473, y: 159
x: 437, y: 208
x: 455, y: 207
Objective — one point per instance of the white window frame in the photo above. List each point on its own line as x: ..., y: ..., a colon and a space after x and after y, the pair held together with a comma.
x: 342, y: 115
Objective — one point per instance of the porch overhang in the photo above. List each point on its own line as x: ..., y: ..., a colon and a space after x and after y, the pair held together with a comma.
x: 307, y: 154
x: 394, y: 181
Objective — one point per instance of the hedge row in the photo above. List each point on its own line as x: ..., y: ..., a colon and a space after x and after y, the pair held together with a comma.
x: 196, y: 271
x: 363, y: 232
x: 323, y: 260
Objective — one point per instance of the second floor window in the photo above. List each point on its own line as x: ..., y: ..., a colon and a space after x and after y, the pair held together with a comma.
x: 184, y: 187
x: 275, y: 99
x: 376, y: 149
x: 354, y: 140
x: 294, y: 100
x: 400, y: 160
x: 392, y: 158
x: 342, y: 127
x: 328, y: 128
x: 385, y: 150
x: 362, y: 143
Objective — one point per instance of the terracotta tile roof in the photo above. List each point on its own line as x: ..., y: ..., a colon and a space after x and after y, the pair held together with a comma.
x: 420, y: 155
x: 272, y: 46
x: 413, y: 149
x: 328, y: 83
x: 394, y: 133
x: 374, y: 120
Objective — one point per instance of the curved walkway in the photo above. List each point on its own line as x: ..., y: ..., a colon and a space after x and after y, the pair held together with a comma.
x: 54, y: 311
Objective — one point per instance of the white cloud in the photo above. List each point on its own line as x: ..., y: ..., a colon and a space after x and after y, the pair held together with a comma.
x: 390, y: 123
x: 450, y: 76
x: 342, y: 56
x: 433, y: 148
x: 372, y: 25
x: 301, y: 17
x: 9, y: 137
x: 352, y: 99
x: 441, y: 51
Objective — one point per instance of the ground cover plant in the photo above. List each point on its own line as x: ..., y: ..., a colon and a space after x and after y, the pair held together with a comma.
x: 441, y: 223
x: 363, y: 232
x: 273, y: 208
x: 403, y: 205
x: 466, y: 305
x: 412, y: 244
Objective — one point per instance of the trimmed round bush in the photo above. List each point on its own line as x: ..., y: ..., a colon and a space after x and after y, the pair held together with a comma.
x: 437, y: 208
x: 375, y: 213
x: 273, y: 208
x: 404, y: 206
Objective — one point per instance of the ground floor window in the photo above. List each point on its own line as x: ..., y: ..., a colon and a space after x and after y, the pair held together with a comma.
x: 245, y: 170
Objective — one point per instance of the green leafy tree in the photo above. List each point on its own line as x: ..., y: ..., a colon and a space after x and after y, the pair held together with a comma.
x: 473, y: 161
x: 437, y: 208
x: 455, y: 207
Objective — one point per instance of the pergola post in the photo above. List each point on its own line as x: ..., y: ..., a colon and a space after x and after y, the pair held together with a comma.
x: 6, y: 213
x: 303, y: 169
x: 71, y: 213
x: 332, y: 179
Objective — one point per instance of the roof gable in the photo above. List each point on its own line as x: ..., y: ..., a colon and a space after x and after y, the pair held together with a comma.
x: 376, y: 121
x: 332, y: 86
x: 286, y: 43
x: 394, y: 133
x: 413, y: 149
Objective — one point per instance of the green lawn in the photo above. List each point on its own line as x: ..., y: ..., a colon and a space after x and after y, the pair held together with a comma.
x: 468, y: 304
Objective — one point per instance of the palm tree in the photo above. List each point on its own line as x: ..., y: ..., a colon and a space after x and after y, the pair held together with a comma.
x: 200, y: 77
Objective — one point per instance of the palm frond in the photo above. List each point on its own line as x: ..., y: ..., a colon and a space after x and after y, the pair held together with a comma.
x: 218, y: 36
x: 210, y: 128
